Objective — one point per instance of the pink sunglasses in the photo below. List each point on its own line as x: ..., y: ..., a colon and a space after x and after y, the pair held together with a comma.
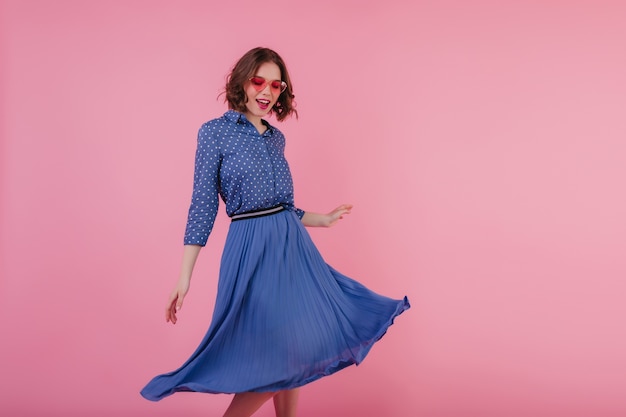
x: 259, y: 84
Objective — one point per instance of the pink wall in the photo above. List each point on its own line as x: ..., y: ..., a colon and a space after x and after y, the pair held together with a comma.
x: 482, y: 146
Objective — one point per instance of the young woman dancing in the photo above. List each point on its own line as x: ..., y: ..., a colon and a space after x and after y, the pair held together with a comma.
x: 283, y: 317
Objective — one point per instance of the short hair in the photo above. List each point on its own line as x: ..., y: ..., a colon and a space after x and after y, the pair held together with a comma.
x: 246, y: 68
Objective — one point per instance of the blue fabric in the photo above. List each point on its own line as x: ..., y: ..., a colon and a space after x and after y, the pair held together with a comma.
x: 249, y: 171
x: 283, y: 317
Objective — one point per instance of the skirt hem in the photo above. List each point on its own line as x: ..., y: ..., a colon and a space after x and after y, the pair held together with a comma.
x: 331, y: 369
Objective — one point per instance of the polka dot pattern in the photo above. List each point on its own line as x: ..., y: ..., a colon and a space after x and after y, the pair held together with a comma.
x: 246, y: 169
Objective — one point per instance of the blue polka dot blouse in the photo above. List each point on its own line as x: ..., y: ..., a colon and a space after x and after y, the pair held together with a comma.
x: 247, y: 169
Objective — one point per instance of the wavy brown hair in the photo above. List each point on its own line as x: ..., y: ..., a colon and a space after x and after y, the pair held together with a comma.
x: 246, y: 68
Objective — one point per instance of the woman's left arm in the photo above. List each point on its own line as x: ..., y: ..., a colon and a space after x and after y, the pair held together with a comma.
x: 325, y: 220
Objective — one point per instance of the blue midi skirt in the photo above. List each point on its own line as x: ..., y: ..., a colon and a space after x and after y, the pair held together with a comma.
x: 282, y: 318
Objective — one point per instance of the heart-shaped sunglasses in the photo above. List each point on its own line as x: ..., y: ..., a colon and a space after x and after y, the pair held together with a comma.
x: 259, y: 84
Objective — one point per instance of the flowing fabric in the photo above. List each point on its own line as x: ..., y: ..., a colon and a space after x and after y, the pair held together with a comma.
x: 282, y: 318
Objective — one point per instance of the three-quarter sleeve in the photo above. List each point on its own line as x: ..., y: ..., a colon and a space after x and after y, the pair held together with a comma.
x: 204, y: 199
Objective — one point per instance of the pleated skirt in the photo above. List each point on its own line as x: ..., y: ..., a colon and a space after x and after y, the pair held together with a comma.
x: 282, y: 318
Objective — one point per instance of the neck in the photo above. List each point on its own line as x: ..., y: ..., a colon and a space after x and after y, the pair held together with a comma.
x: 256, y: 122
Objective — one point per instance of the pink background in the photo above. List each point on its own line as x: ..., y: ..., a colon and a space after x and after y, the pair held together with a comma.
x: 482, y: 145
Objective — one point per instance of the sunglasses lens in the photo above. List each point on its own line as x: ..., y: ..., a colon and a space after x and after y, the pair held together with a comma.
x: 258, y: 83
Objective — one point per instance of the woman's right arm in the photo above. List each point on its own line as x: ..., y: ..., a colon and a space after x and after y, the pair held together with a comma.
x: 175, y: 302
x: 202, y: 212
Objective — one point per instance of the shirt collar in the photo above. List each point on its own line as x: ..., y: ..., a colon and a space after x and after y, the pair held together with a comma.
x: 236, y: 117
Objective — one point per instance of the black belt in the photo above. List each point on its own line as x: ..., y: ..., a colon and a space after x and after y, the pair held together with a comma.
x: 258, y: 213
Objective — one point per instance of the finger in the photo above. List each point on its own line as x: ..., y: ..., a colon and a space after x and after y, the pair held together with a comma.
x: 172, y: 313
x: 170, y: 308
x: 168, y: 314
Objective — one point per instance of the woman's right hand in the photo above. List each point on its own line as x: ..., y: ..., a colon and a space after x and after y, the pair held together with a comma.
x: 175, y: 302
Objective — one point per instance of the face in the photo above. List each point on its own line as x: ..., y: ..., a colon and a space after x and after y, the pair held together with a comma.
x: 259, y: 103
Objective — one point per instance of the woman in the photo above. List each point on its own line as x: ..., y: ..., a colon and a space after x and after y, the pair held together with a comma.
x: 283, y: 317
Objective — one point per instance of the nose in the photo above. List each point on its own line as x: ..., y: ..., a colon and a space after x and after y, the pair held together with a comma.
x: 267, y: 89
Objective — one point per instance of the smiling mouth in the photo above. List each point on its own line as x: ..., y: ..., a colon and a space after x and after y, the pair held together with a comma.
x: 263, y: 103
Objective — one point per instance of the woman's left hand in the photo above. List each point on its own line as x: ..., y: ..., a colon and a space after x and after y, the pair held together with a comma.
x: 338, y: 213
x: 326, y: 220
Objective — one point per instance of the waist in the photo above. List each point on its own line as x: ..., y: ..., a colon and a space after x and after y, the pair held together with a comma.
x: 257, y: 213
